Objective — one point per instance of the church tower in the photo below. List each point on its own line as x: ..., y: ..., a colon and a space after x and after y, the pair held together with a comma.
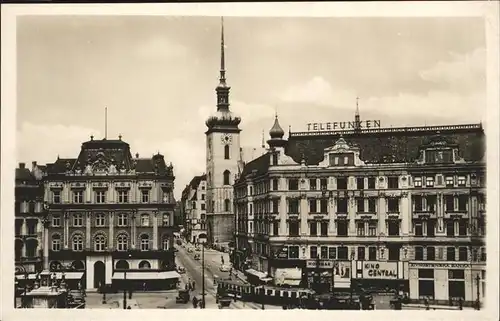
x: 223, y: 151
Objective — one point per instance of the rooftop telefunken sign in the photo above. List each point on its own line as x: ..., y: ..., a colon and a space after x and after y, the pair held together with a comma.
x: 343, y: 125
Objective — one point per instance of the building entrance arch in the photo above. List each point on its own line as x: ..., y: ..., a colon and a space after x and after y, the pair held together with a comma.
x: 99, y: 274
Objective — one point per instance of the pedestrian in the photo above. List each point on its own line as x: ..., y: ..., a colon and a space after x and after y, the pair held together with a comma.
x: 193, y: 285
x: 222, y: 259
x: 195, y: 302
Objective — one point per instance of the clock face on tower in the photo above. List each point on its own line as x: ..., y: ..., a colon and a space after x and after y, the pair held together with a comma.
x: 227, y: 139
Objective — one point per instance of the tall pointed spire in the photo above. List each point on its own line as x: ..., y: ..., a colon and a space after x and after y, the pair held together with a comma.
x: 222, y: 89
x: 357, y: 122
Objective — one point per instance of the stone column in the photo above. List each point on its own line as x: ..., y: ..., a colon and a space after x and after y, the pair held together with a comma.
x: 88, y: 223
x: 46, y: 245
x: 351, y: 215
x: 303, y: 214
x: 382, y: 211
x: 405, y: 214
x: 66, y: 230
x: 155, y: 230
x: 283, y: 216
x: 111, y: 236
x: 133, y: 230
x: 331, y: 216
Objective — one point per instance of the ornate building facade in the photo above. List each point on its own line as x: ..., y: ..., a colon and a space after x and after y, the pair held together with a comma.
x: 28, y: 220
x: 397, y: 208
x: 194, y: 204
x: 109, y: 212
x: 223, y: 151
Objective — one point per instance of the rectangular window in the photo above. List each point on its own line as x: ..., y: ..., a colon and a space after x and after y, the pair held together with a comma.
x: 426, y: 289
x: 324, y: 206
x: 431, y: 253
x: 372, y: 229
x: 293, y: 228
x: 275, y: 227
x: 312, y: 184
x: 426, y: 273
x: 324, y: 253
x: 360, y: 183
x: 419, y: 253
x: 393, y: 205
x: 313, y: 252
x: 293, y: 206
x: 275, y: 184
x: 371, y: 182
x: 78, y: 197
x: 332, y: 253
x: 417, y: 181
x: 194, y: 205
x: 360, y: 227
x: 462, y: 254
x: 418, y: 229
x: 417, y: 202
x: 342, y: 205
x: 166, y: 219
x: 313, y: 228
x: 313, y: 206
x: 342, y: 253
x: 360, y: 202
x: 77, y: 220
x: 341, y: 183
x: 450, y: 228
x: 394, y: 253
x: 449, y: 181
x: 463, y: 202
x: 122, y: 219
x: 341, y: 228
x: 276, y: 206
x: 393, y: 182
x: 100, y: 197
x: 372, y: 205
x: 462, y: 228
x: 293, y: 184
x: 202, y: 207
x: 202, y: 197
x: 56, y: 197
x: 372, y: 253
x: 144, y: 220
x: 361, y: 253
x: 450, y: 253
x: 429, y: 181
x: 393, y: 227
x: 99, y: 220
x: 461, y: 180
x: 431, y: 228
x: 56, y: 221
x: 323, y: 184
x: 450, y: 203
x: 324, y: 228
x: 145, y: 196
x: 122, y: 196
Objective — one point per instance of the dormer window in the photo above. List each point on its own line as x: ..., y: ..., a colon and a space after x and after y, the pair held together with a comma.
x: 461, y: 180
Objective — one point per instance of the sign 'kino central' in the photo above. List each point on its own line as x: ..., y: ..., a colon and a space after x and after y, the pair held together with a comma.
x: 343, y: 125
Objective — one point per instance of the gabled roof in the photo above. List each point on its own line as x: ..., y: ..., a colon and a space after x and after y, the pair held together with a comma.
x: 257, y: 167
x: 24, y: 174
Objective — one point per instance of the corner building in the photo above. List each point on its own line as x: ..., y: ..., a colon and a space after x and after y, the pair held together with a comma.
x: 193, y: 202
x: 109, y: 213
x: 388, y: 208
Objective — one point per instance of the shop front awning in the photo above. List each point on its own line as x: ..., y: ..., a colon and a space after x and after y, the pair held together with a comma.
x: 288, y: 276
x: 256, y: 273
x: 166, y: 275
x: 68, y: 276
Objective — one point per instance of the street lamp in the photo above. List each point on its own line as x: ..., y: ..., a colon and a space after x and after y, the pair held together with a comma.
x: 478, y: 302
x: 125, y: 287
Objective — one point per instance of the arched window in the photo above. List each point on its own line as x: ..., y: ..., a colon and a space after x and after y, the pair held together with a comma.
x: 165, y: 243
x: 227, y: 205
x: 226, y: 151
x: 78, y: 265
x: 144, y: 242
x: 99, y: 243
x: 56, y: 242
x: 144, y: 265
x: 122, y: 265
x: 77, y: 242
x: 226, y: 177
x: 122, y: 242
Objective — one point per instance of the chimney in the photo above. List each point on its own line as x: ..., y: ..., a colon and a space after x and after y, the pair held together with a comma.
x: 33, y: 166
x: 22, y: 165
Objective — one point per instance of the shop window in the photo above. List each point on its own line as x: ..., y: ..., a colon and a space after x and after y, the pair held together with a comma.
x: 342, y: 253
x: 456, y: 284
x: 426, y: 289
x: 419, y: 253
x: 293, y: 252
x: 372, y: 253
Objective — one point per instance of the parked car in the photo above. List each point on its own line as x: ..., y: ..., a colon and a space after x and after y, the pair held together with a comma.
x: 181, y: 270
x: 190, y: 250
x: 197, y: 257
x: 224, y: 268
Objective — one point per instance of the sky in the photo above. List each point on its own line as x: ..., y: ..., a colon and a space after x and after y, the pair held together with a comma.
x: 157, y: 77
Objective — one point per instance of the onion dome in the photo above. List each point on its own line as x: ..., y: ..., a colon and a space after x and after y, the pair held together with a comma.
x: 223, y: 118
x: 276, y: 131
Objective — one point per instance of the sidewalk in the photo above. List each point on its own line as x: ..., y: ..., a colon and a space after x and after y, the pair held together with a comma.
x: 433, y: 307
